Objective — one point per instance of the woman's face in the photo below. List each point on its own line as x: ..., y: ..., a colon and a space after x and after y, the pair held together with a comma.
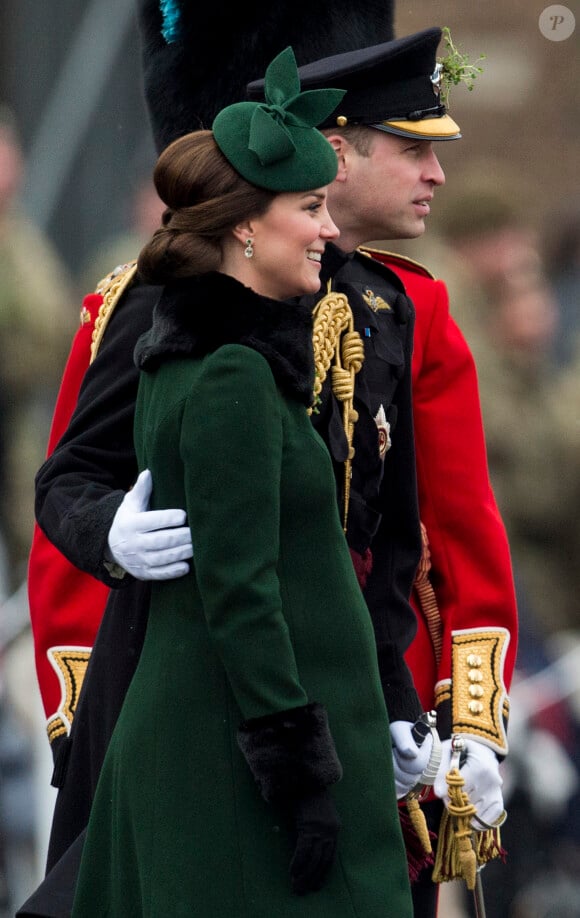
x: 288, y: 242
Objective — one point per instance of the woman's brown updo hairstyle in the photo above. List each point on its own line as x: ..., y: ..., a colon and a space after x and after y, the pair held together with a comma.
x: 205, y: 199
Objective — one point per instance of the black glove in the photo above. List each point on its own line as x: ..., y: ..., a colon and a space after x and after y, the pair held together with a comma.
x: 317, y: 825
x: 292, y: 757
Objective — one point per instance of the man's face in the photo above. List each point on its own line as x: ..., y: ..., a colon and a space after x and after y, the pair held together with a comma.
x: 385, y: 195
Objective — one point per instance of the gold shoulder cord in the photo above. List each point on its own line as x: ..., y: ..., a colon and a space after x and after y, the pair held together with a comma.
x: 335, y: 338
x: 427, y: 596
x: 111, y: 288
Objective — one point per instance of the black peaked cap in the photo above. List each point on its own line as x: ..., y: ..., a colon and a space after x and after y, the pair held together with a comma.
x: 392, y: 86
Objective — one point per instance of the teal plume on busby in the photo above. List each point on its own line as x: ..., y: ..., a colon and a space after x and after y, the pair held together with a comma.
x: 171, y: 14
x: 209, y: 55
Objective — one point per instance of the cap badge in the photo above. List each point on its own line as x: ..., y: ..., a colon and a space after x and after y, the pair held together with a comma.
x: 436, y: 78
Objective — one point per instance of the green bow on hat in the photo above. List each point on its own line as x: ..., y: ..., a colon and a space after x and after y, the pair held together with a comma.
x: 275, y: 144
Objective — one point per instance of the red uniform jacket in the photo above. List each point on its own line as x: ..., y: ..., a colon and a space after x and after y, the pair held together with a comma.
x: 470, y: 593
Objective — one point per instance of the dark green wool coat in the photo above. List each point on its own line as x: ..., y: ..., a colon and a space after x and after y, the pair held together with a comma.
x: 270, y: 623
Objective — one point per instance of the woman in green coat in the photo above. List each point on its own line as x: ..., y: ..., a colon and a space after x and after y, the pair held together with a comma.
x: 250, y: 772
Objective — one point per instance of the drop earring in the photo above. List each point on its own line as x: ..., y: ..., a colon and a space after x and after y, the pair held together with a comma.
x: 249, y: 250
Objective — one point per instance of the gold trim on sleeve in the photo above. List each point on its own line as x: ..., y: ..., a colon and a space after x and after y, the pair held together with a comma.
x: 479, y: 703
x: 70, y: 665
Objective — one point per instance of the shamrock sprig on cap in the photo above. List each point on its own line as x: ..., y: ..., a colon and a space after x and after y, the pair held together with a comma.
x: 456, y: 67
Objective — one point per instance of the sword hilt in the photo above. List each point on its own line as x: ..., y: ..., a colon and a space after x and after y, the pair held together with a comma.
x: 423, y: 726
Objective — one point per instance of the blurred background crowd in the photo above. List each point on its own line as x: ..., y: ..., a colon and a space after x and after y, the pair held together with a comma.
x: 76, y: 199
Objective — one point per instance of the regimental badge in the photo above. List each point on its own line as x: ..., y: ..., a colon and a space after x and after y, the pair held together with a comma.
x: 373, y: 301
x: 384, y: 429
x: 85, y: 316
x: 436, y: 79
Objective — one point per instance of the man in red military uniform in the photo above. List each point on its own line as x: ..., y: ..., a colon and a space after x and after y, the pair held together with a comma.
x: 488, y: 619
x: 470, y: 576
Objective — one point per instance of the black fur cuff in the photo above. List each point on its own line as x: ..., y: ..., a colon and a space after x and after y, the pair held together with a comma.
x: 290, y: 753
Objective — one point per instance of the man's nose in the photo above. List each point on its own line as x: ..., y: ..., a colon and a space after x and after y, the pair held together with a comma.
x: 433, y: 171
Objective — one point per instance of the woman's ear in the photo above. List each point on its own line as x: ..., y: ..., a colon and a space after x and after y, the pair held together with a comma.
x: 243, y: 231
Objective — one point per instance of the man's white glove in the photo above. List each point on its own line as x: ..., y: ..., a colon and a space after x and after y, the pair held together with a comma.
x: 149, y: 544
x: 479, y: 768
x: 409, y: 759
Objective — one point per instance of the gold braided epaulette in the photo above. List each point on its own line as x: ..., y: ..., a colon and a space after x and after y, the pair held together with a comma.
x: 331, y: 317
x: 335, y: 338
x: 111, y: 288
x: 479, y: 702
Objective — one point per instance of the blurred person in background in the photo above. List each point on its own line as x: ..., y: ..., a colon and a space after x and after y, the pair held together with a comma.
x: 19, y: 862
x: 36, y: 326
x: 144, y: 210
x: 509, y: 312
x: 563, y: 266
x: 564, y: 646
x: 510, y: 318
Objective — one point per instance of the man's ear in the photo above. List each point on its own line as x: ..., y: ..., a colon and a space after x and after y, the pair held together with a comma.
x: 340, y: 146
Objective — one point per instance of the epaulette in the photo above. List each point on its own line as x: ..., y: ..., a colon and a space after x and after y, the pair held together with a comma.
x: 335, y: 338
x: 394, y: 258
x: 111, y: 288
x: 374, y: 266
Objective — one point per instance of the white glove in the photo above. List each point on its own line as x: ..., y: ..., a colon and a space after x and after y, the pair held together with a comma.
x: 483, y: 782
x: 409, y: 759
x: 149, y: 544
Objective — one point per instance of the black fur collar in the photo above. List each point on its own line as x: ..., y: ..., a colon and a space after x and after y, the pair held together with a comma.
x: 197, y: 315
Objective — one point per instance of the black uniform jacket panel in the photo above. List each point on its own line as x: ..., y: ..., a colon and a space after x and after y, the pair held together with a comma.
x: 383, y: 512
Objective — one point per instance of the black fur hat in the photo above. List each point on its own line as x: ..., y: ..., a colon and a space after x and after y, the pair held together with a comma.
x: 215, y: 53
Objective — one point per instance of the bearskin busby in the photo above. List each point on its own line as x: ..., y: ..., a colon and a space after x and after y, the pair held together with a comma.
x: 198, y: 57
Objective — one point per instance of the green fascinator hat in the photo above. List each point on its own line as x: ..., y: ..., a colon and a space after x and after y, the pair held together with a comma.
x: 275, y: 144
